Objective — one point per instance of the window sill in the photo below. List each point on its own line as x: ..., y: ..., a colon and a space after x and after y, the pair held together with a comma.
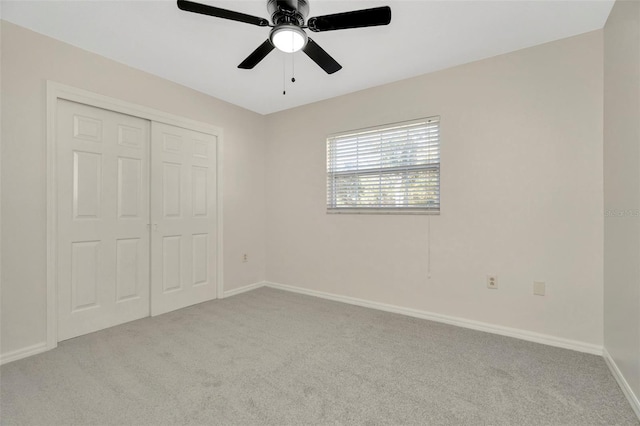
x: 383, y: 211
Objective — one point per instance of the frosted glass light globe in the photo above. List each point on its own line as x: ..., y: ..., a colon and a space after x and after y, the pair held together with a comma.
x: 288, y: 38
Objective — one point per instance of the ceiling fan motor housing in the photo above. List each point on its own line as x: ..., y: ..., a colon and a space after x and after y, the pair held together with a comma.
x: 291, y: 12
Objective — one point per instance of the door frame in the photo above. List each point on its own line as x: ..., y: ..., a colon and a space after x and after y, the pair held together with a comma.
x: 57, y: 91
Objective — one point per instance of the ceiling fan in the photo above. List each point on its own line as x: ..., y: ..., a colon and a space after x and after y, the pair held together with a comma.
x: 287, y: 31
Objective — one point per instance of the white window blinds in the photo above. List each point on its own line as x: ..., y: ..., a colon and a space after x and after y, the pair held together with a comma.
x: 395, y: 168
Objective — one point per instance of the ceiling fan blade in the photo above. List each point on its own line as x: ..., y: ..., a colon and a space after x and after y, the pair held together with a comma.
x: 204, y: 9
x: 355, y: 19
x: 320, y: 57
x: 257, y: 55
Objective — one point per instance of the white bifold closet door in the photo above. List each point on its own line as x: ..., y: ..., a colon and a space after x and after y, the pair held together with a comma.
x: 183, y: 206
x: 103, y: 212
x: 136, y: 218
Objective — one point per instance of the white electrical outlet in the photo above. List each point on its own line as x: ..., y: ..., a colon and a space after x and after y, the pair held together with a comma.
x: 245, y: 258
x: 539, y: 288
x: 492, y: 281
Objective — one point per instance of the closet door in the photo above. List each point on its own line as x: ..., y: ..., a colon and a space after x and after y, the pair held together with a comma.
x: 183, y: 216
x: 103, y: 211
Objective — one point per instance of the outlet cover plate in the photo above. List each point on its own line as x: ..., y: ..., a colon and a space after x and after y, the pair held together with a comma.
x: 492, y: 281
x: 539, y: 288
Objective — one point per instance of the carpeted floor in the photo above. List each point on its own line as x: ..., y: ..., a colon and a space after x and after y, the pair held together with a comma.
x: 278, y: 358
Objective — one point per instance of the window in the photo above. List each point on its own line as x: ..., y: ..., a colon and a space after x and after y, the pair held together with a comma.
x: 393, y: 168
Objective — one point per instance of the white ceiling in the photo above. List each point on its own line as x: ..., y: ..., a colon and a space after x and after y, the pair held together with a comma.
x: 203, y: 52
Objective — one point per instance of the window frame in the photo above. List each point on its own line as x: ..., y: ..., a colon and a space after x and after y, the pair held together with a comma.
x: 407, y: 210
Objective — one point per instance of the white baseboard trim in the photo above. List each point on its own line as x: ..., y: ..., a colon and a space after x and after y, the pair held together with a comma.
x: 622, y: 382
x: 243, y: 289
x: 23, y: 353
x: 42, y: 347
x: 460, y: 322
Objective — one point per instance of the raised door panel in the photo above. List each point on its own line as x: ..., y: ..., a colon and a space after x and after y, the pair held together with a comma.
x: 85, y: 275
x: 201, y: 148
x: 131, y: 136
x: 130, y: 188
x: 87, y: 128
x: 171, y: 263
x: 199, y: 191
x: 129, y: 269
x: 172, y: 189
x: 87, y: 185
x: 200, y: 265
x: 172, y: 143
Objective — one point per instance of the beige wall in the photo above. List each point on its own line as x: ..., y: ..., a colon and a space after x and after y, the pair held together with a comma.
x: 28, y: 60
x: 521, y: 187
x: 622, y: 189
x: 521, y: 195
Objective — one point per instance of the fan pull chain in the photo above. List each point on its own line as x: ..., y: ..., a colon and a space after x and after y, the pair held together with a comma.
x: 284, y: 75
x: 293, y: 68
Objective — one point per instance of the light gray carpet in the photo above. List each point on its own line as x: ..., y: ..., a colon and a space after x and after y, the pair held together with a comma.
x: 272, y: 357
